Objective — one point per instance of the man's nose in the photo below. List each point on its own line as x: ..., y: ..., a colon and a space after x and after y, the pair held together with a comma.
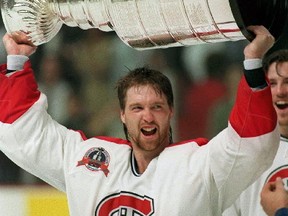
x: 281, y: 90
x: 148, y: 115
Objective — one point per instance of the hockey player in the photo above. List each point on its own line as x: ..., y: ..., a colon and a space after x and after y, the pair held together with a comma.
x: 276, y: 68
x: 147, y: 174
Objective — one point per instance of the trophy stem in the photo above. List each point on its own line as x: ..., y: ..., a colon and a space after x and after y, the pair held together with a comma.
x: 82, y: 14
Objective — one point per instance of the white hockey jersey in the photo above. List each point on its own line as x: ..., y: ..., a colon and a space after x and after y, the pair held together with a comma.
x: 99, y: 175
x: 248, y: 204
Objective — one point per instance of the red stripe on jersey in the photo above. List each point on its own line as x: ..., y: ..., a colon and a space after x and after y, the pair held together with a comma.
x: 114, y: 140
x: 200, y: 141
x: 18, y: 93
x: 82, y: 134
x: 253, y: 113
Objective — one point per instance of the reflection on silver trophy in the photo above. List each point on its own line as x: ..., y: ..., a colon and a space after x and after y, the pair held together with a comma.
x: 146, y: 24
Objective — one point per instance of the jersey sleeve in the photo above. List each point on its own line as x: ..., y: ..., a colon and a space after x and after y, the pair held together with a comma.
x: 239, y: 154
x: 18, y: 93
x: 253, y: 113
x: 28, y: 135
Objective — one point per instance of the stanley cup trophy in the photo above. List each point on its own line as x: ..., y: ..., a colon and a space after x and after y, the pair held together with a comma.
x: 147, y: 24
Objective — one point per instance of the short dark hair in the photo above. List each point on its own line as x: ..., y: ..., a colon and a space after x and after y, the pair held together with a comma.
x: 278, y: 56
x: 144, y: 76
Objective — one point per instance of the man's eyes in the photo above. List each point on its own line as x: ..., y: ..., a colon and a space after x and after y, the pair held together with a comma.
x: 154, y: 107
x: 137, y: 108
x: 157, y: 107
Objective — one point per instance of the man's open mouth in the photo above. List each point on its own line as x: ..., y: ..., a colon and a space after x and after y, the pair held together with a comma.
x: 148, y: 131
x: 281, y: 104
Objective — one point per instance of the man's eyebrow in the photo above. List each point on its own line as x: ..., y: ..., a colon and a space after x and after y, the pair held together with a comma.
x: 134, y: 104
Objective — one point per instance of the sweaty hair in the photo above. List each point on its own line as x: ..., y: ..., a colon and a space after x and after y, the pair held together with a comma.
x: 278, y: 56
x: 141, y: 77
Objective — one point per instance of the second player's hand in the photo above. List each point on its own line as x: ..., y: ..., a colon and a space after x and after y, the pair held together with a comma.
x: 18, y: 44
x: 274, y: 196
x: 261, y: 43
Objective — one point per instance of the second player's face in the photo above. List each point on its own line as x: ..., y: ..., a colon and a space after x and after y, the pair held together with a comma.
x: 147, y: 118
x: 279, y: 90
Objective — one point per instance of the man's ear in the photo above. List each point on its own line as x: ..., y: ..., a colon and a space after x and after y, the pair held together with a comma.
x: 172, y: 111
x: 122, y: 116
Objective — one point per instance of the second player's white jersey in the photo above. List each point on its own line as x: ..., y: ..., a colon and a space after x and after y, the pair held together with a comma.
x: 249, y: 202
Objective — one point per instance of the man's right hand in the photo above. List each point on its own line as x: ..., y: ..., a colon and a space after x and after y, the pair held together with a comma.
x: 262, y: 42
x: 18, y: 44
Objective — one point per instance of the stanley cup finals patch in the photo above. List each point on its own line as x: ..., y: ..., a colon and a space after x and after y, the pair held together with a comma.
x: 96, y: 159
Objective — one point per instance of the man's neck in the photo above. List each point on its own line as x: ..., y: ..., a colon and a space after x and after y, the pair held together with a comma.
x: 142, y: 161
x: 284, y: 131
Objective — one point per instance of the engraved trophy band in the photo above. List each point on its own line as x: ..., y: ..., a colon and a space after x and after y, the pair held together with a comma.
x: 147, y: 24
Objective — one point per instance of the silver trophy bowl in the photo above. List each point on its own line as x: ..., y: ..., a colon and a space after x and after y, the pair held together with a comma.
x: 146, y: 24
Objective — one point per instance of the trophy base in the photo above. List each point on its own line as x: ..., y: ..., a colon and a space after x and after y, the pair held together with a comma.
x: 271, y: 14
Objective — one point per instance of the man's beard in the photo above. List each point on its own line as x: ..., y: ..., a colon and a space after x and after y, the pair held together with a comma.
x: 150, y: 145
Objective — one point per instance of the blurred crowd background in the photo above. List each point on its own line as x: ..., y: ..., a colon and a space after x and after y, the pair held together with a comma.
x: 77, y: 70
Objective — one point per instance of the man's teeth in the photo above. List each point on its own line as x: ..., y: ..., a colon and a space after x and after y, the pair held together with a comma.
x: 282, y: 104
x: 148, y: 129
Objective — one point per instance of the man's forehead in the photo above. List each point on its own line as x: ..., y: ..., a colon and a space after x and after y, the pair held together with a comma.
x: 278, y: 68
x: 141, y: 89
x: 140, y: 93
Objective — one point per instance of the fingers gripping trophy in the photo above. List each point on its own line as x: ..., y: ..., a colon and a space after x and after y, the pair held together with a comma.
x: 146, y: 24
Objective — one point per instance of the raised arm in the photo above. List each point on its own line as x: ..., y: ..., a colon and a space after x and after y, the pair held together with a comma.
x: 262, y: 112
x: 28, y: 134
x: 249, y: 144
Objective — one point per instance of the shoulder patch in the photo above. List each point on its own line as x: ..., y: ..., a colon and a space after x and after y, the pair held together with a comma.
x: 96, y: 159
